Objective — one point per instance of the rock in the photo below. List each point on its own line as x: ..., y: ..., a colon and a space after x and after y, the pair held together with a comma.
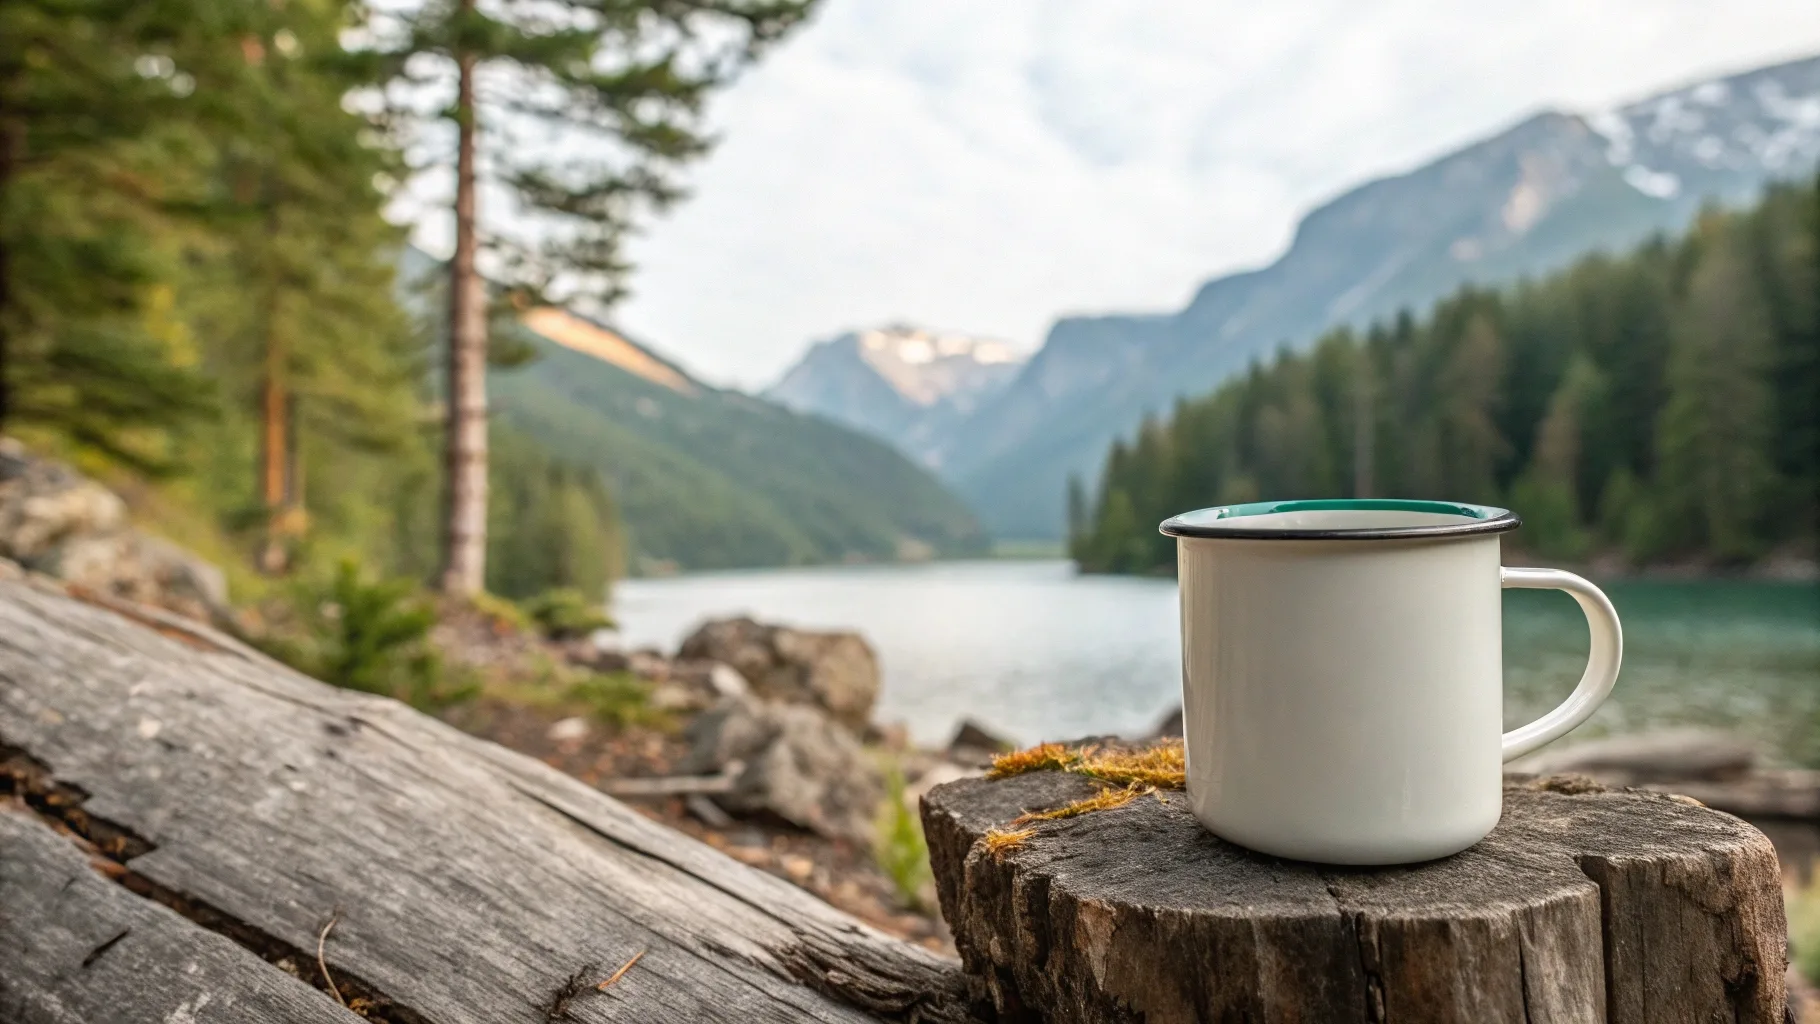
x: 648, y: 663
x: 973, y: 745
x: 585, y: 653
x: 975, y: 736
x: 835, y: 671
x: 58, y: 522
x: 892, y: 736
x: 1668, y: 755
x: 1169, y: 726
x: 694, y: 685
x: 799, y: 765
x: 940, y: 773
x: 569, y: 730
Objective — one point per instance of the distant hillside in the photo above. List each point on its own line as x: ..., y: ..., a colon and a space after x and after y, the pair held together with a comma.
x: 1526, y: 201
x: 706, y: 478
x: 1657, y: 408
x: 905, y: 384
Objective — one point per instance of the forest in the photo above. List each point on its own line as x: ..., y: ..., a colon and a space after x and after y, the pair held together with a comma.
x: 200, y: 302
x: 1656, y: 408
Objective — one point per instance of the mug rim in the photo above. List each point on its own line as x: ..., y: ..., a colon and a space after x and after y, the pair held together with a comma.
x: 1210, y: 523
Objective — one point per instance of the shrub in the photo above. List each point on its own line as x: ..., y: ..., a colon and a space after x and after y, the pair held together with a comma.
x: 374, y: 637
x: 620, y: 699
x: 565, y: 613
x: 1803, y: 906
x: 901, y: 852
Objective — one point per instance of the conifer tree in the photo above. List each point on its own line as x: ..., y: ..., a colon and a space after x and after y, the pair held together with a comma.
x: 306, y: 261
x: 628, y: 77
x: 1715, y: 431
x: 100, y: 102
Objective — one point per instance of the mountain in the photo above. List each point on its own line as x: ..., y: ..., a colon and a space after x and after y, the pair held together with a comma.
x: 904, y: 384
x: 1523, y: 202
x: 706, y: 478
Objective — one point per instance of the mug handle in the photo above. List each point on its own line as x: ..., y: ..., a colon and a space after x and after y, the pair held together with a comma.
x: 1601, y: 663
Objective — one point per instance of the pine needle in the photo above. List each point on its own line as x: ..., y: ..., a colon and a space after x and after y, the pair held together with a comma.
x: 999, y: 842
x: 322, y: 963
x: 623, y: 968
x: 1161, y: 766
x: 1104, y: 800
x: 1046, y: 757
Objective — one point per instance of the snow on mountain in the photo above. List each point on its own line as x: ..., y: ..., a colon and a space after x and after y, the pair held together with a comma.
x: 1717, y: 138
x: 901, y: 383
x: 1522, y: 202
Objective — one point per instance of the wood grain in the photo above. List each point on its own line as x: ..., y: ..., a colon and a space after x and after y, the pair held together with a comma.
x: 1584, y: 905
x: 471, y: 883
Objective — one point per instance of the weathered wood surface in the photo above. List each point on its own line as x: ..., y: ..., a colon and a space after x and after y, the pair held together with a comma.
x: 238, y: 807
x: 75, y: 946
x: 1584, y: 905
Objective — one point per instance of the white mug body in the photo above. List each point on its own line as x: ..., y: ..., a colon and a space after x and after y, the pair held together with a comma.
x: 1342, y: 700
x: 1343, y: 674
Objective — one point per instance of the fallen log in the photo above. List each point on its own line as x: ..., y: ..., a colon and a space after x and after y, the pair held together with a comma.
x: 1585, y: 904
x: 191, y: 832
x: 677, y: 785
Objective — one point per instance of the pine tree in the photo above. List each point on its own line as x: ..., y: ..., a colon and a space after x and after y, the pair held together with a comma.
x: 1546, y: 492
x: 1077, y: 514
x: 100, y: 102
x: 1714, y: 434
x: 630, y: 78
x: 300, y: 213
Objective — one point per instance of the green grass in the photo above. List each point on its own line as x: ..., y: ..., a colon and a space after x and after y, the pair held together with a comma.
x: 619, y: 699
x: 901, y: 852
x: 1803, y: 904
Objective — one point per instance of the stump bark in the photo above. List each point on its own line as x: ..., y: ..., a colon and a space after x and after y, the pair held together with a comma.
x: 181, y: 819
x: 1584, y: 905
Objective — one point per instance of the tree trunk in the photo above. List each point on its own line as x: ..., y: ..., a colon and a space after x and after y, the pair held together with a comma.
x: 465, y: 521
x: 275, y: 446
x: 1585, y: 904
x: 6, y: 173
x: 192, y: 832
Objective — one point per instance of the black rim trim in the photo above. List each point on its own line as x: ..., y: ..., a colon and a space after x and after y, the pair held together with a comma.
x: 1175, y: 527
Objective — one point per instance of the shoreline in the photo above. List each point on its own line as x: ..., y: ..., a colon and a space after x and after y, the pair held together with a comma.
x: 1776, y: 569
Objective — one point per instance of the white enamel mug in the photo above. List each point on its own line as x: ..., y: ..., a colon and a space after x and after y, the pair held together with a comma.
x: 1342, y: 674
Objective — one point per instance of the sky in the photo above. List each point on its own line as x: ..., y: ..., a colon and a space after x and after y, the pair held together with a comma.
x: 988, y: 167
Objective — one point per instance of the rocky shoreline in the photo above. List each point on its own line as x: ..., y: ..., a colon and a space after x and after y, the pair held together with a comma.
x: 767, y: 753
x: 757, y: 739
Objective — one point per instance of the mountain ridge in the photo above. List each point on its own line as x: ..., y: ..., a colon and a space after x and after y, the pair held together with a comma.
x: 906, y: 384
x: 704, y: 477
x: 1520, y: 202
x: 709, y: 478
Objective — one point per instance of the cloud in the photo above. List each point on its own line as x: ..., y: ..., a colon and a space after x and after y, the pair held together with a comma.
x: 987, y: 167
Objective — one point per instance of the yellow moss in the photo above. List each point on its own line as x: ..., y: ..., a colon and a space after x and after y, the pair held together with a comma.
x: 1161, y: 766
x: 999, y: 842
x: 1104, y: 800
x: 1047, y: 757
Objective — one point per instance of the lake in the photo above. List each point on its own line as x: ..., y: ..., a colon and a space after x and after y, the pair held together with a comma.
x: 1033, y: 650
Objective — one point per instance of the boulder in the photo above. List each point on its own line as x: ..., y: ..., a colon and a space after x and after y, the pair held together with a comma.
x: 44, y: 503
x: 695, y: 685
x: 1169, y: 726
x: 798, y: 764
x: 834, y: 671
x: 58, y: 522
x: 975, y: 745
x: 648, y: 663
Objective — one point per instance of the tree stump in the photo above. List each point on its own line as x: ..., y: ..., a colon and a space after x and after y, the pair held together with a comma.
x: 1585, y: 904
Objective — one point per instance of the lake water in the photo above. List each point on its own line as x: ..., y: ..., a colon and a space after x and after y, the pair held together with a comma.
x: 1035, y: 651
